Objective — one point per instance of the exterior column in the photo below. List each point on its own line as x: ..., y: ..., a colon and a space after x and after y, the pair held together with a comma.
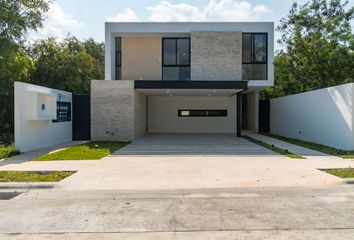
x: 238, y: 115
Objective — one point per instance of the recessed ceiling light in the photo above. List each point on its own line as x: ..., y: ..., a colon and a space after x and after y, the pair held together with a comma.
x: 214, y: 91
x: 209, y: 95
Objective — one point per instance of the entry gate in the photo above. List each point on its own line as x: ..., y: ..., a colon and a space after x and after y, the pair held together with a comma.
x: 81, y: 117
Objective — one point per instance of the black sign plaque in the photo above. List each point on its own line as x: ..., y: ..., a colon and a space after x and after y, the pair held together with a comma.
x: 63, y: 112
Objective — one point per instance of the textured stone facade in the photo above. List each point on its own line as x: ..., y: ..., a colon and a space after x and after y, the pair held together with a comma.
x: 216, y: 56
x: 112, y: 110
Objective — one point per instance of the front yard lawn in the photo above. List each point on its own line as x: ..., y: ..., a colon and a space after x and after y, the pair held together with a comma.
x: 274, y: 148
x: 314, y: 146
x: 86, y: 151
x: 30, y: 176
x: 7, y: 149
x: 341, y: 172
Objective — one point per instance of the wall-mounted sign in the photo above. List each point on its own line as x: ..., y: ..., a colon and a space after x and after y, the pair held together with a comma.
x: 63, y: 112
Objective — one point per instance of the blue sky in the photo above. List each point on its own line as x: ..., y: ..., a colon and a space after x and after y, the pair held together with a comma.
x: 85, y: 18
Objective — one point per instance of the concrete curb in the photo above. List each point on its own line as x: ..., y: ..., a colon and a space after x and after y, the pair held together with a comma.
x: 349, y: 180
x: 26, y: 185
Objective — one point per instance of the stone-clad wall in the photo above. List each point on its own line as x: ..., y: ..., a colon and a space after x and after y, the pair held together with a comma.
x: 112, y: 110
x: 216, y: 56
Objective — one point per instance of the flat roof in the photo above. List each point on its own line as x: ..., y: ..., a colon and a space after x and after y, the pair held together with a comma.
x: 183, y: 27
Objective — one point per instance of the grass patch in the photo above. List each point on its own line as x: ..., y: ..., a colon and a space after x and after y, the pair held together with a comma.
x: 314, y: 146
x: 29, y: 176
x: 86, y: 151
x: 7, y: 149
x: 274, y: 148
x: 341, y: 172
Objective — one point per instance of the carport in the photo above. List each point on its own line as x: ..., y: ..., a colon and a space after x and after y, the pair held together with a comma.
x: 192, y: 106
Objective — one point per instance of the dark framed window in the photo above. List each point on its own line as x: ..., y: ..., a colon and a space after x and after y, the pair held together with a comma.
x: 176, y: 59
x: 254, y: 56
x: 118, y: 58
x: 202, y: 113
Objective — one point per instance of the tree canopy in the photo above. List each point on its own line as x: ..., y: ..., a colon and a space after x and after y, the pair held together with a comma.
x: 318, y: 48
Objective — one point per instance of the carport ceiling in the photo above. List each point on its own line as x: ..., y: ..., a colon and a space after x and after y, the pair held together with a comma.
x: 189, y: 92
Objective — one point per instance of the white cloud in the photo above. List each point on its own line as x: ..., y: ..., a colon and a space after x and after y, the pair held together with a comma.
x: 128, y: 15
x: 231, y: 10
x: 58, y: 24
x: 167, y: 12
x: 215, y: 10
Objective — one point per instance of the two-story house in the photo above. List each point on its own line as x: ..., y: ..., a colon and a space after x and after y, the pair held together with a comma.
x: 181, y: 78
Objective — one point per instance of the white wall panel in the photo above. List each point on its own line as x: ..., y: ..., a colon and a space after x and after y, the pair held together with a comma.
x: 323, y: 116
x: 163, y: 114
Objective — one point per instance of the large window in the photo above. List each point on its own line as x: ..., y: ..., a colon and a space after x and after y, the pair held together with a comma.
x: 118, y: 59
x: 202, y: 113
x: 176, y: 59
x: 254, y: 56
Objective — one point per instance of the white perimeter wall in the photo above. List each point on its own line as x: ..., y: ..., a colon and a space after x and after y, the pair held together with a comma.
x: 323, y: 116
x: 30, y: 133
x: 163, y: 114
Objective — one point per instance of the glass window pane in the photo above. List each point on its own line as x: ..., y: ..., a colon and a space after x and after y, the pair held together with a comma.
x: 260, y: 47
x: 170, y: 73
x: 254, y: 71
x: 118, y: 44
x: 118, y: 59
x: 118, y: 73
x: 246, y: 48
x: 169, y: 51
x: 183, y: 51
x: 184, y: 73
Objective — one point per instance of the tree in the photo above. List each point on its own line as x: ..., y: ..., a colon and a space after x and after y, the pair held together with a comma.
x: 66, y: 65
x: 17, y: 17
x: 319, y: 46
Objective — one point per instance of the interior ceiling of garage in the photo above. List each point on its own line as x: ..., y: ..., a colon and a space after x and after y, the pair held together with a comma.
x: 189, y: 92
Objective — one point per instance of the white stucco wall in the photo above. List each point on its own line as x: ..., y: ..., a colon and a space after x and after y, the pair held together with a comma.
x: 323, y: 116
x: 163, y: 114
x: 34, y: 128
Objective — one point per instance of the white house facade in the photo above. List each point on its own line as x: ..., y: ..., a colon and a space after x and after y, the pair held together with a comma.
x: 181, y: 78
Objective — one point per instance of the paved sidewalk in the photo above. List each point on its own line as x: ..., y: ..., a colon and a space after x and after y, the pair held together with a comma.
x: 28, y: 156
x: 253, y: 213
x: 290, y: 147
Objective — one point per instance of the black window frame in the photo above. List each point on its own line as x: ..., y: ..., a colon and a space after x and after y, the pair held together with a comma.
x: 176, y: 60
x: 223, y: 112
x: 253, y: 62
x: 118, y: 55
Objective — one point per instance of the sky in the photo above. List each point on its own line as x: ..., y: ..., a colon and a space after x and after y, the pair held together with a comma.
x: 85, y: 18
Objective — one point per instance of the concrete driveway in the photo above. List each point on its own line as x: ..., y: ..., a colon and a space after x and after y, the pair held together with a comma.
x: 173, y: 162
x: 193, y: 144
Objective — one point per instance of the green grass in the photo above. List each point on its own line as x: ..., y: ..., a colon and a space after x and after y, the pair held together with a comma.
x: 7, y: 149
x: 24, y: 176
x: 341, y: 172
x: 86, y: 151
x: 274, y: 148
x: 315, y: 146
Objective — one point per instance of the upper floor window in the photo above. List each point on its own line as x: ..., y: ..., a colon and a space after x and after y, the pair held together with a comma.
x: 254, y: 56
x: 176, y: 59
x: 118, y: 58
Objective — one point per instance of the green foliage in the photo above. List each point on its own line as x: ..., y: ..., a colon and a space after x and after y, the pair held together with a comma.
x: 86, y: 151
x: 27, y: 176
x: 319, y: 46
x: 17, y: 18
x: 7, y: 151
x: 67, y: 65
x: 20, y: 16
x: 341, y: 172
